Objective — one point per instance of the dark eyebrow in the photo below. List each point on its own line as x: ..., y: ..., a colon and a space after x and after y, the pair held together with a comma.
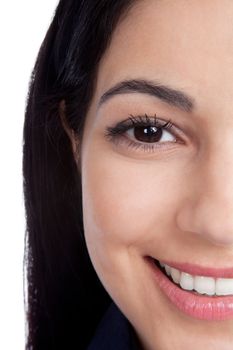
x: 169, y: 95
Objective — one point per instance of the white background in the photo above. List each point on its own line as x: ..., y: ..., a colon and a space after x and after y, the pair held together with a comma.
x: 23, y: 25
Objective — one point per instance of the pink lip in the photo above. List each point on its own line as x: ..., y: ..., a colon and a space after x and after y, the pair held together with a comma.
x: 200, y: 307
x: 202, y: 271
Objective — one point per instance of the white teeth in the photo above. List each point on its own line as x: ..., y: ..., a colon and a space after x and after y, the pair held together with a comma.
x: 204, y: 285
x: 175, y: 275
x: 168, y: 270
x: 161, y: 264
x: 201, y: 284
x: 224, y: 286
x: 186, y: 281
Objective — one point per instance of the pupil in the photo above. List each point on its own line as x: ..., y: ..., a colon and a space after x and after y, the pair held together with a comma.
x: 148, y: 134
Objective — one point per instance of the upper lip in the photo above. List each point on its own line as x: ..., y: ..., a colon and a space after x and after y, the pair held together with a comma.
x: 197, y: 270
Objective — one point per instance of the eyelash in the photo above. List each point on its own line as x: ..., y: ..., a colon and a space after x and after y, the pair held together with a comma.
x: 116, y: 133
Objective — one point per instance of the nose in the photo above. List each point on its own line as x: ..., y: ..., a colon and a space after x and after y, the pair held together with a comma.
x: 208, y: 208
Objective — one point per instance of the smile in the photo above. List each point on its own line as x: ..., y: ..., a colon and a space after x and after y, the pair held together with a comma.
x: 200, y: 284
x: 206, y: 297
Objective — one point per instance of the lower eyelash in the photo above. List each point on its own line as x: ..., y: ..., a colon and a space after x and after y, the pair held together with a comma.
x: 115, y: 134
x: 136, y: 146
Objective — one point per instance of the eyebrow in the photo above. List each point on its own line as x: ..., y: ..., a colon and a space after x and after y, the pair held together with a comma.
x: 167, y: 94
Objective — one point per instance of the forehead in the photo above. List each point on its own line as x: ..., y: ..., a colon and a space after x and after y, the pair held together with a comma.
x: 187, y: 44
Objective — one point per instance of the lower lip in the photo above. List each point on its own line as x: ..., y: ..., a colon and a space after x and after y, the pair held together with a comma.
x: 199, y: 307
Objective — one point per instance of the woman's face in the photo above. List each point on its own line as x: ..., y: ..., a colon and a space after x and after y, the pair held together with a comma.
x: 165, y: 193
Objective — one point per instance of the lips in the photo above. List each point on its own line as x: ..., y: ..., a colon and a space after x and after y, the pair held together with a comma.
x: 202, y: 271
x: 200, y: 284
x: 190, y: 302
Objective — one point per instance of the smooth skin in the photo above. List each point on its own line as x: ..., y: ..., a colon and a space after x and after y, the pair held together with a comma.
x: 175, y: 202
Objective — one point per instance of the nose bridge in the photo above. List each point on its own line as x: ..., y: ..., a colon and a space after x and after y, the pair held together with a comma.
x: 209, y: 210
x: 218, y: 173
x: 220, y: 162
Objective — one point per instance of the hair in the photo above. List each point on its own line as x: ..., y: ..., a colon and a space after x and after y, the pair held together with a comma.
x: 65, y: 299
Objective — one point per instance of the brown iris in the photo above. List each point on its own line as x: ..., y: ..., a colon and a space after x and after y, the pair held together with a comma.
x: 148, y: 134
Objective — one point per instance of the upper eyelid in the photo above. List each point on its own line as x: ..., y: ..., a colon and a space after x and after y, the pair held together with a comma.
x: 143, y: 118
x: 162, y: 121
x: 150, y: 120
x: 120, y: 128
x: 146, y: 120
x: 133, y: 119
x: 167, y: 125
x: 119, y: 137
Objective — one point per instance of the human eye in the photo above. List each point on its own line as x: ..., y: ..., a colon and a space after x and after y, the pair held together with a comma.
x: 151, y: 133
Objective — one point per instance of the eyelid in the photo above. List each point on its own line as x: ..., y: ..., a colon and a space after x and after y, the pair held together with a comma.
x: 143, y: 120
x: 140, y: 120
x: 117, y: 132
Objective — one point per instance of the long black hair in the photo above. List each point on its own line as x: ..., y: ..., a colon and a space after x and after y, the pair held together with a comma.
x: 65, y: 299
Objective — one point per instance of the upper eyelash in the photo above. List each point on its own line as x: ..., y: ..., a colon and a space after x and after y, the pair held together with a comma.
x: 133, y: 121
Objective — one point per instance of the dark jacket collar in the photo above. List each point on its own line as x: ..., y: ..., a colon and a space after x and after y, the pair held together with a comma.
x: 114, y: 332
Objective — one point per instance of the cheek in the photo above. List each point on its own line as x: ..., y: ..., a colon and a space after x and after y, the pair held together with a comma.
x: 127, y: 203
x: 128, y: 211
